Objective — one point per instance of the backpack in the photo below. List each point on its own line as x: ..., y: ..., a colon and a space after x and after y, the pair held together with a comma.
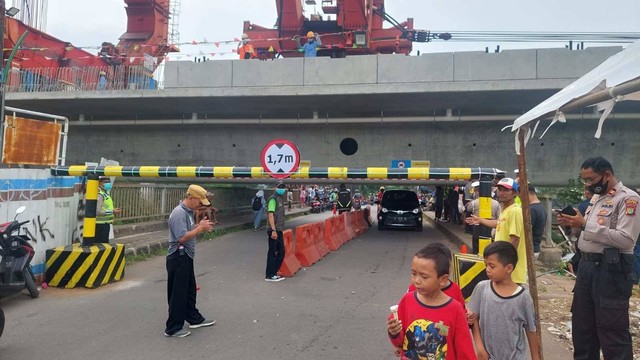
x: 257, y: 203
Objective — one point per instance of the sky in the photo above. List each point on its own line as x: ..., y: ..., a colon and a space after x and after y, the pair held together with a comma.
x: 90, y: 22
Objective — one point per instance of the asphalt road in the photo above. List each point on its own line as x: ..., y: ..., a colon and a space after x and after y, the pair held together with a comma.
x: 335, y: 309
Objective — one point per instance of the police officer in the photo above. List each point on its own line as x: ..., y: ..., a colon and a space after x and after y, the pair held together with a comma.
x: 104, y: 210
x: 610, y: 227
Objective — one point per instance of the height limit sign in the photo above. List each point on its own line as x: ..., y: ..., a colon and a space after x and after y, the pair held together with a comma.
x: 280, y: 158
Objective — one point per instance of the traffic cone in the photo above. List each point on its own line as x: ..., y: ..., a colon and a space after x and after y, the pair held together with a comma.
x: 463, y: 249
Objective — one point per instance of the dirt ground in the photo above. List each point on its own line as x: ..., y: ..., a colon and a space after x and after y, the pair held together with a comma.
x: 554, y: 293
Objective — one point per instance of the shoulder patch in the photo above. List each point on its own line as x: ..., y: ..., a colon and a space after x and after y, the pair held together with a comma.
x: 630, y: 206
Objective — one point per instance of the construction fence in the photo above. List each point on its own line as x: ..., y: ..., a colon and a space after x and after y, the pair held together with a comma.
x: 98, y: 78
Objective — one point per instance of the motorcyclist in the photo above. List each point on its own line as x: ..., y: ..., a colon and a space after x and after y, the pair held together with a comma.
x: 344, y: 199
x: 357, y: 199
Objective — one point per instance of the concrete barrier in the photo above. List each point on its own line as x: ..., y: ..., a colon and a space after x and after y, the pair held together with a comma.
x: 84, y: 266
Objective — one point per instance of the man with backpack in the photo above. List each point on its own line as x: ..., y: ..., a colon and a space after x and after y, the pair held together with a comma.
x: 257, y: 205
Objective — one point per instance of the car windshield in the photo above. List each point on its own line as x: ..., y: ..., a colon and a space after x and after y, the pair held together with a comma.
x: 400, y: 200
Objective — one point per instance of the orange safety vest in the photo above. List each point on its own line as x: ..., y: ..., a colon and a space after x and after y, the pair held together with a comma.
x: 247, y: 50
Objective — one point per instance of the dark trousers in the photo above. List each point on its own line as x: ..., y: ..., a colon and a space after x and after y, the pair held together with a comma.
x: 275, y: 255
x: 438, y: 211
x: 181, y: 293
x: 475, y: 239
x: 600, y: 313
x: 102, y: 233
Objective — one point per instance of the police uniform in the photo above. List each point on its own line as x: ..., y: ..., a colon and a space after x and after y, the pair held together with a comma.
x: 104, y: 217
x: 600, y: 309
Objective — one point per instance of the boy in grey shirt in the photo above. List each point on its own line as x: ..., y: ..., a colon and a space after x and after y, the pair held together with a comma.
x: 503, y: 310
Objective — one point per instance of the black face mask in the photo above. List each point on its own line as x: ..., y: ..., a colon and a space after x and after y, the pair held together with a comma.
x: 600, y: 187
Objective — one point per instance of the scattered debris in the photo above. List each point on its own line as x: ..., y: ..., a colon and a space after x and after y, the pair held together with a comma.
x: 555, y: 310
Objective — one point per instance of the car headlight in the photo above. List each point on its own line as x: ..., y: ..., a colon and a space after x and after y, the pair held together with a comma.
x: 416, y: 211
x: 384, y: 210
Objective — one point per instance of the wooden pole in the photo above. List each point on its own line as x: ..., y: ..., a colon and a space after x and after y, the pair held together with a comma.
x: 528, y: 234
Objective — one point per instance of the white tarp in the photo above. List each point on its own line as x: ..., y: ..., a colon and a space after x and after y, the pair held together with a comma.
x: 618, y: 69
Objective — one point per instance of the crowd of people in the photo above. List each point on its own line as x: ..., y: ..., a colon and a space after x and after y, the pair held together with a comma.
x: 429, y: 323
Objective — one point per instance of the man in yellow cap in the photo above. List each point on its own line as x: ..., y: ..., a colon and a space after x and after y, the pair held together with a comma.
x: 181, y: 284
x: 310, y: 49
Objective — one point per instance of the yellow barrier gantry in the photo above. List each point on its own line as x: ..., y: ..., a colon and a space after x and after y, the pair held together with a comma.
x: 256, y: 172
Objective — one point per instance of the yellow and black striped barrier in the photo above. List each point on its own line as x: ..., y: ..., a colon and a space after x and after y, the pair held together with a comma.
x: 256, y: 172
x: 91, y: 198
x: 468, y: 271
x: 84, y: 266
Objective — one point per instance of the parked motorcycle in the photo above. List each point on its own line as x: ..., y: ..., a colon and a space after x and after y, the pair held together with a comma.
x: 15, y: 266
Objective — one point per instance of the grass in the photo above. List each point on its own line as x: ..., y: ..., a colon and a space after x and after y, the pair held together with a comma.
x: 144, y: 256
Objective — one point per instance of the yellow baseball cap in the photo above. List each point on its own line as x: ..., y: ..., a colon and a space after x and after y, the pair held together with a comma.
x: 199, y: 193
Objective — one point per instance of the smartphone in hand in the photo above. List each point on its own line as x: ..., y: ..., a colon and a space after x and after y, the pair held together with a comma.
x: 569, y: 210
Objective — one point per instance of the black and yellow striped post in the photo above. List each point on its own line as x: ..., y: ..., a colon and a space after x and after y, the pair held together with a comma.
x: 87, y: 266
x: 468, y: 271
x: 91, y: 204
x: 485, y: 213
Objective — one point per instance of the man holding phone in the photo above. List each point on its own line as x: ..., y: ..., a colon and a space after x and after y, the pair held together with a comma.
x: 610, y: 227
x: 509, y: 225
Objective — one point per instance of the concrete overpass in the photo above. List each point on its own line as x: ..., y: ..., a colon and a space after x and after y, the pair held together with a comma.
x: 447, y: 108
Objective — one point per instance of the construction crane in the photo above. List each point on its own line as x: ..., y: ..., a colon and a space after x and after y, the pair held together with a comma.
x: 356, y: 30
x: 45, y: 60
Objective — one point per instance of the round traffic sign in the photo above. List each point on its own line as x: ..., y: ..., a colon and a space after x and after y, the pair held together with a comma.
x: 280, y: 158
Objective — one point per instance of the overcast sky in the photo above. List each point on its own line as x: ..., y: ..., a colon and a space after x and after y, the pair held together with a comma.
x: 90, y: 22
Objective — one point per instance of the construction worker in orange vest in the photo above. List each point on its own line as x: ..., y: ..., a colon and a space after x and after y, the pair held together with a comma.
x: 246, y: 50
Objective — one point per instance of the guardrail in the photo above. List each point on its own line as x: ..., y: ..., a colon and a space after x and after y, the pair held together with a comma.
x: 142, y: 202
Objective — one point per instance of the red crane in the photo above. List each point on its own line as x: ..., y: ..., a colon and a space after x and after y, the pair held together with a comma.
x: 43, y: 60
x: 355, y: 28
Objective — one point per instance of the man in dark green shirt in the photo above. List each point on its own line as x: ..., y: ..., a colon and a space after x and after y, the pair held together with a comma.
x: 275, y: 222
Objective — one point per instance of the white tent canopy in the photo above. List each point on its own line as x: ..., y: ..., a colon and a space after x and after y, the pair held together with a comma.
x: 617, y: 70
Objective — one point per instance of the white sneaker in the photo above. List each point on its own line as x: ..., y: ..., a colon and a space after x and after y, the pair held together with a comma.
x: 202, y: 324
x: 179, y: 334
x: 274, y: 278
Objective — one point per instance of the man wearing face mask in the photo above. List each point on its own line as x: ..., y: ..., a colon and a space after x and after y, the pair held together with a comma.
x: 610, y: 227
x: 275, y: 222
x: 104, y: 210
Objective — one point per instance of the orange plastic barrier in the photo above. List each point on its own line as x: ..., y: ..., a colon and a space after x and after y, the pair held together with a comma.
x: 348, y: 226
x: 290, y: 264
x: 305, y: 251
x: 344, y: 234
x: 363, y: 220
x: 356, y: 223
x: 318, y: 238
x: 330, y: 234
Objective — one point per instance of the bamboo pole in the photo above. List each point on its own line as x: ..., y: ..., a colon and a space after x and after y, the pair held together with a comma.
x: 528, y: 234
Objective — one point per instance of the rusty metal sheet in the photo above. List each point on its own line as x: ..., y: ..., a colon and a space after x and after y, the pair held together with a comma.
x: 31, y: 142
